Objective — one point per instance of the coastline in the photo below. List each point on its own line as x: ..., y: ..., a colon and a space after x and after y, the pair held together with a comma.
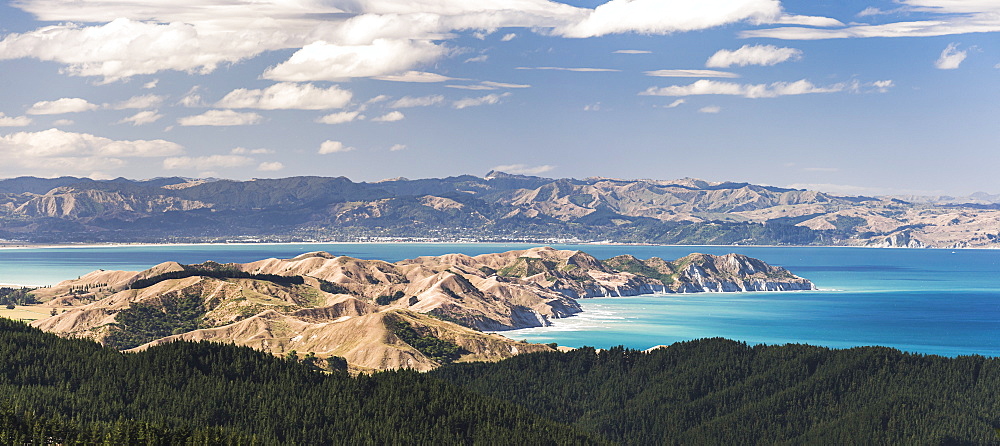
x: 22, y: 246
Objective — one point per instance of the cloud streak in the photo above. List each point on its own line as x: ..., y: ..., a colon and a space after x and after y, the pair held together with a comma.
x: 753, y: 91
x: 753, y: 55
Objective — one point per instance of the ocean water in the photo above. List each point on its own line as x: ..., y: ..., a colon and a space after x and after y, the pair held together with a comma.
x: 931, y: 301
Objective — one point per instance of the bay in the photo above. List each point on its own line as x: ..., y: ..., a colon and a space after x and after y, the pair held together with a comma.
x: 931, y: 301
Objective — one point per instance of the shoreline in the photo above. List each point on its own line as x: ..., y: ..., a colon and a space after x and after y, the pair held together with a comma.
x: 25, y: 246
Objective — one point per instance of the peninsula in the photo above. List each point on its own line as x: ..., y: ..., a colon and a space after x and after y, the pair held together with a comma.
x: 416, y: 313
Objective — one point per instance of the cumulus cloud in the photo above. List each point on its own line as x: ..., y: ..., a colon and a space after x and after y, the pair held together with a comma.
x: 270, y: 166
x: 340, y: 117
x: 55, y: 143
x: 397, y: 147
x: 951, y: 57
x: 138, y: 102
x: 422, y: 101
x: 221, y: 118
x: 489, y: 99
x: 691, y: 73
x: 660, y: 17
x: 14, y: 121
x: 392, y: 116
x: 333, y: 62
x: 508, y: 37
x: 151, y: 84
x: 708, y: 87
x: 60, y: 106
x: 523, y: 169
x: 329, y: 146
x: 125, y: 48
x: 206, y: 162
x: 753, y: 55
x: 287, y: 96
x: 142, y: 118
x: 710, y: 109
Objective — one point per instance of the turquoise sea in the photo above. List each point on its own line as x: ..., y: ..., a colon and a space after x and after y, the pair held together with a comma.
x: 931, y: 301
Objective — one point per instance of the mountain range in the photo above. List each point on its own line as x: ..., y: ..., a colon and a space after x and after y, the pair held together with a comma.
x: 496, y: 207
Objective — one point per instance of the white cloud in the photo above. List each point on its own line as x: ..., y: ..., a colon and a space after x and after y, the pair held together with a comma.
x: 488, y: 85
x: 943, y: 17
x: 489, y: 99
x: 753, y: 55
x: 332, y: 62
x: 663, y: 17
x: 951, y: 57
x: 523, y: 169
x: 125, y: 48
x: 504, y: 85
x: 270, y: 166
x: 135, y: 102
x: 707, y: 87
x: 808, y: 21
x: 333, y: 147
x: 675, y: 104
x: 422, y: 101
x: 221, y: 118
x: 417, y: 77
x: 63, y: 122
x: 14, y: 121
x: 581, y: 70
x: 142, y: 118
x: 60, y: 106
x: 508, y: 37
x: 397, y: 147
x: 710, y: 109
x: 246, y: 151
x: 55, y: 143
x: 882, y: 86
x: 192, y: 99
x: 206, y: 162
x: 340, y: 117
x: 592, y: 107
x: 479, y: 58
x: 151, y: 84
x: 632, y: 52
x: 392, y: 116
x: 691, y: 73
x: 287, y: 96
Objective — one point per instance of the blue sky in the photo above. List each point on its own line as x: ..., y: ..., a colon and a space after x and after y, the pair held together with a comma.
x: 893, y: 97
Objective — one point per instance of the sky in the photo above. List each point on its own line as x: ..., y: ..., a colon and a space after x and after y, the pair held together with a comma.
x: 848, y: 97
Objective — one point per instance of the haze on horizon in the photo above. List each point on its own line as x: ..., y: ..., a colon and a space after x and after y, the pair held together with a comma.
x: 885, y: 97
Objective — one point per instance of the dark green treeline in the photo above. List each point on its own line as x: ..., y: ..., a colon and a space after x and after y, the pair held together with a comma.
x: 55, y: 390
x: 716, y: 391
x: 712, y: 391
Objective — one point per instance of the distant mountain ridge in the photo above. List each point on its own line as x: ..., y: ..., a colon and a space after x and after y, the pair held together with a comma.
x: 498, y: 207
